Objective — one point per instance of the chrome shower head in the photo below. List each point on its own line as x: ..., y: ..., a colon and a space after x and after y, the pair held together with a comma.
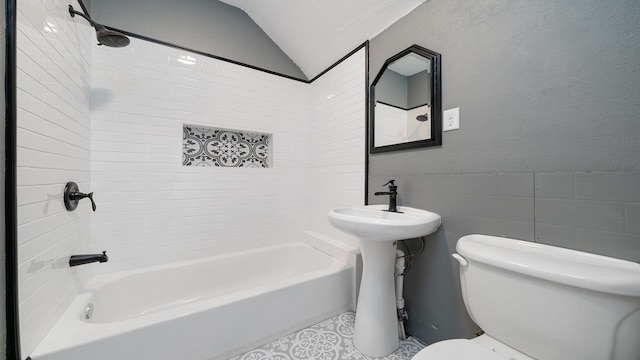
x: 105, y: 36
x: 422, y: 118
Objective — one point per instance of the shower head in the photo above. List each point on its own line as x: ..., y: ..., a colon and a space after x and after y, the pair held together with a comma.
x: 110, y: 38
x: 105, y: 36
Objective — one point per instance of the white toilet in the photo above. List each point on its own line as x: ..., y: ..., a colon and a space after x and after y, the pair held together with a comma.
x: 537, y: 301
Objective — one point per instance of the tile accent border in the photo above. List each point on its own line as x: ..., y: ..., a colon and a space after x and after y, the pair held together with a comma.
x: 216, y: 147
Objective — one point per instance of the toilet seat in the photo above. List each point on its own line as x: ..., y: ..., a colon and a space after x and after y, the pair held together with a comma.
x: 456, y: 349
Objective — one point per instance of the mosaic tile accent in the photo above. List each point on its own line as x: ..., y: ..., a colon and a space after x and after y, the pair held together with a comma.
x: 331, y: 339
x: 213, y: 147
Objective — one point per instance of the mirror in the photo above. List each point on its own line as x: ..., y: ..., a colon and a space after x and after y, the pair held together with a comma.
x: 406, y: 102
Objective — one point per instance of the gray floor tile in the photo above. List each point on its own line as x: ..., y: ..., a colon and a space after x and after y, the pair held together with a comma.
x: 331, y: 339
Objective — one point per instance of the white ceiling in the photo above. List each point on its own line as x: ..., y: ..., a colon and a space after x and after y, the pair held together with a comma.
x: 410, y: 64
x: 317, y: 33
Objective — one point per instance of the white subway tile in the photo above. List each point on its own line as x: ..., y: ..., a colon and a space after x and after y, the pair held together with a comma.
x: 128, y: 149
x: 53, y: 148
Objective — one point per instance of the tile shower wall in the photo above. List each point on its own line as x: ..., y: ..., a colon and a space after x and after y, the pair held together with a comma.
x: 153, y: 210
x: 337, y: 143
x: 53, y: 55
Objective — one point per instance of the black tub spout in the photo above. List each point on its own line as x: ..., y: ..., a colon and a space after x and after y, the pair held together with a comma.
x: 76, y: 260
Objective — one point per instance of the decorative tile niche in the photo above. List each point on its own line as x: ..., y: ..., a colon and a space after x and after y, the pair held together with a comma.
x: 216, y: 147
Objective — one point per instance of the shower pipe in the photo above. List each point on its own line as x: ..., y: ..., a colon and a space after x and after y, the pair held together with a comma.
x: 105, y: 36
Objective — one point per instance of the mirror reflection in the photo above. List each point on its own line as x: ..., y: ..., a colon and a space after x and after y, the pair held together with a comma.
x: 402, y: 111
x: 403, y: 96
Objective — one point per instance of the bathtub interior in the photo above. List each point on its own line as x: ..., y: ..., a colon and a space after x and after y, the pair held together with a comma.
x: 262, y: 293
x: 188, y: 282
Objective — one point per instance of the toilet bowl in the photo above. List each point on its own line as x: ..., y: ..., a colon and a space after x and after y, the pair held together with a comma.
x: 537, y: 301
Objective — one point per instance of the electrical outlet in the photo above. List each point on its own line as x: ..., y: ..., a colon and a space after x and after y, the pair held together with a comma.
x: 451, y: 119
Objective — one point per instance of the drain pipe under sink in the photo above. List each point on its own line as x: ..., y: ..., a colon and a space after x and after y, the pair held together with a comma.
x: 402, y: 314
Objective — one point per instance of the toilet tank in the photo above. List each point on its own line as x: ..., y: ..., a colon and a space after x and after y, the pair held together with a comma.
x: 550, y: 302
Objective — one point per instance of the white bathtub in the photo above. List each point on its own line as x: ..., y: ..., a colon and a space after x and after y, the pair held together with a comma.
x: 212, y: 308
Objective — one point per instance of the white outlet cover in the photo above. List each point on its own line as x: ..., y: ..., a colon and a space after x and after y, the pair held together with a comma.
x: 451, y: 119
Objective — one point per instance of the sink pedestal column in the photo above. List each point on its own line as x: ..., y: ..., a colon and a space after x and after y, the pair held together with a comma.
x: 376, y: 326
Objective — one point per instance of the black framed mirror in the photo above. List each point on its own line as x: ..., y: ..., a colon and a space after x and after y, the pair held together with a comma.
x: 406, y: 102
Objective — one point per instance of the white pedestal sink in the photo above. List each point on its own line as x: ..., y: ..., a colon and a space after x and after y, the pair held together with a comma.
x: 376, y: 327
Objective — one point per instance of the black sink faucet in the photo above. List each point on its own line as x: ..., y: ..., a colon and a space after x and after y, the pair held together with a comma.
x: 76, y: 260
x: 393, y: 195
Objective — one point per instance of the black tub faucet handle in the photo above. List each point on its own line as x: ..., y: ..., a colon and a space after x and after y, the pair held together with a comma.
x: 80, y: 196
x: 72, y: 196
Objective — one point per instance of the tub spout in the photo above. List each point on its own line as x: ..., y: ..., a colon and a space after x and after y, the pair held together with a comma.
x: 76, y: 260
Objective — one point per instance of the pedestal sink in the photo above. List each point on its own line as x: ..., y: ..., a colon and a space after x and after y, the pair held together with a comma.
x: 376, y: 327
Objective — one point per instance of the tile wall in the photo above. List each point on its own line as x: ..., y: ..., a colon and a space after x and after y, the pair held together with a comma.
x: 153, y: 210
x: 391, y: 125
x: 336, y: 139
x: 205, y: 146
x: 595, y: 212
x: 112, y: 121
x: 53, y: 148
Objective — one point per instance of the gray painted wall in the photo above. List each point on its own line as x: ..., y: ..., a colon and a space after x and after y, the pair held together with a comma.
x: 419, y: 86
x: 548, y: 148
x: 406, y: 92
x: 392, y: 89
x: 209, y: 26
x: 87, y: 4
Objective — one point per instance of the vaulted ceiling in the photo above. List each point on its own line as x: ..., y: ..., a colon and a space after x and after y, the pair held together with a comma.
x: 317, y: 33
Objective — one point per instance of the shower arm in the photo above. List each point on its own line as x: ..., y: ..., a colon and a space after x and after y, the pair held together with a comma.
x: 105, y: 36
x: 73, y: 13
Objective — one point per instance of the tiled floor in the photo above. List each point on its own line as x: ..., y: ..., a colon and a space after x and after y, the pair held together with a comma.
x: 331, y: 339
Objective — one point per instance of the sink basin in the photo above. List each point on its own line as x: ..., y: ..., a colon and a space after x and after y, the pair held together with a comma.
x: 376, y: 328
x: 371, y: 222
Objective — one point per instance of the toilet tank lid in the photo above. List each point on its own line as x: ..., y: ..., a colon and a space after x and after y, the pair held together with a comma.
x: 564, y: 266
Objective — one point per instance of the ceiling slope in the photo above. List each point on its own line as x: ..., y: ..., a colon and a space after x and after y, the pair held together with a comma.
x: 317, y: 33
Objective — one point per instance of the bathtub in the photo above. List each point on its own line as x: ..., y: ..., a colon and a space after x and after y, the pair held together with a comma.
x: 211, y: 308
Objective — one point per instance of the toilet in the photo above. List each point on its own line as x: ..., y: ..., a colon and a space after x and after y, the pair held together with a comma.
x: 535, y: 301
